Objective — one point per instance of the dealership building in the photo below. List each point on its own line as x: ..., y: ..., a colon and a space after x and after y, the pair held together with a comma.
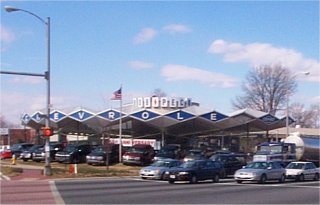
x: 159, y: 121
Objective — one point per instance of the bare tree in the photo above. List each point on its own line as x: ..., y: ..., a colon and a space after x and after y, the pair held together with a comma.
x: 158, y: 93
x: 307, y: 118
x: 266, y: 88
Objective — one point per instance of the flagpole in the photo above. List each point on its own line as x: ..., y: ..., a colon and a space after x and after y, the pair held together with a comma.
x: 120, y: 130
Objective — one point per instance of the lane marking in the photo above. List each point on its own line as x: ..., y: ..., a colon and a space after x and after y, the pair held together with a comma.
x: 56, y: 194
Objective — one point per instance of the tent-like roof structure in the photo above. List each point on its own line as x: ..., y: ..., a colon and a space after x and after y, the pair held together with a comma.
x: 137, y: 121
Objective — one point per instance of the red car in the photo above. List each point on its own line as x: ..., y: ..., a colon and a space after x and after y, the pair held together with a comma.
x: 6, y: 154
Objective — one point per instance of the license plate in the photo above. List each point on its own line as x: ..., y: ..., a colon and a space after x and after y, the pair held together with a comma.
x: 172, y: 176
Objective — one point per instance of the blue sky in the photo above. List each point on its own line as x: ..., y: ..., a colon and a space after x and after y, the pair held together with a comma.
x: 201, y: 50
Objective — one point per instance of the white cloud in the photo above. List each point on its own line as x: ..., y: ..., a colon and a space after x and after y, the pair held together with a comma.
x: 146, y: 35
x: 183, y: 73
x: 27, y: 80
x: 139, y: 65
x: 7, y: 36
x: 14, y: 104
x: 177, y: 28
x: 262, y: 53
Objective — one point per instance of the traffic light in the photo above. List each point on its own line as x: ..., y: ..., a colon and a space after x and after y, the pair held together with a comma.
x: 47, y: 131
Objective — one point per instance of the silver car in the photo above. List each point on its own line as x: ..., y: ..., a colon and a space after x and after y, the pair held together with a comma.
x: 261, y: 171
x: 157, y: 169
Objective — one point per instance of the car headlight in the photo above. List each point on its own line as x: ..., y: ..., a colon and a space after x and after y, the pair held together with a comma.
x: 183, y: 173
x: 167, y: 172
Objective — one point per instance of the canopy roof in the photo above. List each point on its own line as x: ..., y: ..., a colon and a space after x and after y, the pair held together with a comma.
x: 136, y: 121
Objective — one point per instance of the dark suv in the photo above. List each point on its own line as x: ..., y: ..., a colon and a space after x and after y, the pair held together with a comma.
x: 104, y: 155
x: 230, y: 161
x: 194, y: 171
x: 17, y: 149
x: 73, y: 153
x: 168, y: 151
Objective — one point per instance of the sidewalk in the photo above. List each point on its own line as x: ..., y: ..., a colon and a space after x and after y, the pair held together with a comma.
x: 29, y: 173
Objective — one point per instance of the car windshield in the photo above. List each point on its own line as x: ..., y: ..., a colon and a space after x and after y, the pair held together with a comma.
x: 194, y: 152
x: 295, y: 166
x: 99, y: 150
x: 257, y: 165
x: 166, y: 152
x: 188, y: 164
x: 160, y: 163
x: 272, y: 149
x: 71, y: 148
x: 136, y: 150
x: 35, y: 147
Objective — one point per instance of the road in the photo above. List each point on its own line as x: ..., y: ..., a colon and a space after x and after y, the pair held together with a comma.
x: 136, y: 191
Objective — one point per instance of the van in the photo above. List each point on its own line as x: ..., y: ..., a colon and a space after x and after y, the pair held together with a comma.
x: 139, y: 154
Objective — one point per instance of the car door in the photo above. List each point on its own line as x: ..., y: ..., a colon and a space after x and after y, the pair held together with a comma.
x: 277, y: 170
x: 309, y: 171
x: 271, y: 171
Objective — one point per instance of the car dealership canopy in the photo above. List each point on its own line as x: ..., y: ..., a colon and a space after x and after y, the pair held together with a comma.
x: 142, y: 121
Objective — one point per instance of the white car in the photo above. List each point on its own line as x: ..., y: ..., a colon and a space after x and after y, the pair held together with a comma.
x: 301, y: 171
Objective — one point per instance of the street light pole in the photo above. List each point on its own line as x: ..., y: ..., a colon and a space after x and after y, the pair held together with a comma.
x: 287, y: 106
x: 47, y: 168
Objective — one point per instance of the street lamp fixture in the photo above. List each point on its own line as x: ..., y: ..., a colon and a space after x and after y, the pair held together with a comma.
x: 287, y: 108
x: 46, y: 75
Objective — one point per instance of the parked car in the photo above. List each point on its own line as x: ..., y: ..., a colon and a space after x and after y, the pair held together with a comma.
x: 230, y: 161
x: 194, y: 154
x: 28, y: 154
x: 4, y: 147
x: 168, y: 151
x: 194, y: 171
x: 139, y: 154
x: 157, y: 169
x: 40, y: 155
x: 261, y: 171
x: 73, y: 153
x: 5, y: 154
x: 101, y: 154
x: 17, y: 149
x: 302, y: 170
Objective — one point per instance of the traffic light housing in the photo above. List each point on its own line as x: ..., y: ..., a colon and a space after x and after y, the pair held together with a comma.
x: 47, y: 131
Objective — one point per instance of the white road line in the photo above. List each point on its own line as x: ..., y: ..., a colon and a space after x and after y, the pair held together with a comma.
x: 56, y: 195
x: 291, y: 185
x: 4, y: 177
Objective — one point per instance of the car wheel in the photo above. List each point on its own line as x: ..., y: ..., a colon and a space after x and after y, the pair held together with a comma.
x: 171, y: 182
x: 216, y: 178
x: 239, y: 181
x: 263, y: 179
x: 301, y: 178
x: 316, y: 177
x: 193, y: 179
x: 223, y: 175
x: 282, y: 179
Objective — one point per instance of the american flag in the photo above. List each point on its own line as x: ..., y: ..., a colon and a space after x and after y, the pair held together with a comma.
x: 117, y: 95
